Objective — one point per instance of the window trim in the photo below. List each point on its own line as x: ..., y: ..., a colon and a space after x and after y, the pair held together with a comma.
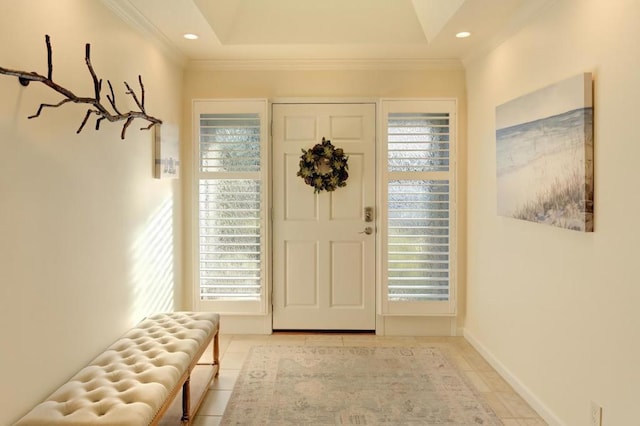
x: 388, y: 307
x: 233, y: 307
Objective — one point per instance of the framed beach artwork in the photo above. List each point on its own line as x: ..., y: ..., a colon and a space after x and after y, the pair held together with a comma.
x: 544, y: 155
x: 167, y: 151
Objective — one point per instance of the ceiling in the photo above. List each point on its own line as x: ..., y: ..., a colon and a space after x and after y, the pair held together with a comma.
x: 236, y: 30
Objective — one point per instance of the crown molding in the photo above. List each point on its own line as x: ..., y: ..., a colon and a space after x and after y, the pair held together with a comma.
x: 324, y: 64
x: 130, y: 15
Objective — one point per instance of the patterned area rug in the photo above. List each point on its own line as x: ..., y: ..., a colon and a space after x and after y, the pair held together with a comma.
x: 309, y: 385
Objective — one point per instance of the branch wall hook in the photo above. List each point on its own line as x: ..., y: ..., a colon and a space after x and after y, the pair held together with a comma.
x: 96, y: 106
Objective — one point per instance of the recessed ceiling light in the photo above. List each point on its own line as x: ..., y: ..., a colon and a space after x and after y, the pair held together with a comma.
x: 190, y: 36
x: 463, y: 34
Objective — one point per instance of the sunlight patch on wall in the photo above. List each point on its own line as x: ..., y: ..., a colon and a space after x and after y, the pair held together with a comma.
x: 153, y: 277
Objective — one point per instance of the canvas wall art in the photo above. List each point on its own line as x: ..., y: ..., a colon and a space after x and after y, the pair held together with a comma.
x: 544, y: 155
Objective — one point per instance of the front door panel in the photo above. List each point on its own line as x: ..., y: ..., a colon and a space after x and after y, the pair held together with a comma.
x: 324, y: 262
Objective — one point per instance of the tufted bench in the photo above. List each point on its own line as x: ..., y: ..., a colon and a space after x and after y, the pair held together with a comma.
x: 136, y: 379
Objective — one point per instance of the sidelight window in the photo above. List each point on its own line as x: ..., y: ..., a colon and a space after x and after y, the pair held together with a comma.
x: 231, y: 151
x: 418, y: 263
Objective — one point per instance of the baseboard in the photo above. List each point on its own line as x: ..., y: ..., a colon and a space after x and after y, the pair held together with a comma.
x: 240, y: 324
x: 535, y: 403
x: 415, y: 326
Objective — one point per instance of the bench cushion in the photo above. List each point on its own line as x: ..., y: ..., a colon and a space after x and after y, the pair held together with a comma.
x: 129, y: 382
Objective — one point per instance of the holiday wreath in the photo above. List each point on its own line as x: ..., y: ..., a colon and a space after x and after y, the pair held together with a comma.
x: 324, y: 167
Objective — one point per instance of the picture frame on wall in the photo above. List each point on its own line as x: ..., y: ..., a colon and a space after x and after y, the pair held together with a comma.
x: 166, y: 152
x: 544, y: 155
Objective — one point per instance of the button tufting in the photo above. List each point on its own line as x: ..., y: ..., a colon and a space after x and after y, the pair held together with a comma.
x: 140, y: 368
x: 157, y: 362
x: 123, y: 386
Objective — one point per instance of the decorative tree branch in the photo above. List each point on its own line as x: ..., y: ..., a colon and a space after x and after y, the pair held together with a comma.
x: 96, y: 106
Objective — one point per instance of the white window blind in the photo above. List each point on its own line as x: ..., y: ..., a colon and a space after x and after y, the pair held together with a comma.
x: 230, y: 190
x: 418, y: 142
x: 230, y: 239
x: 418, y: 242
x: 419, y: 214
x: 230, y: 142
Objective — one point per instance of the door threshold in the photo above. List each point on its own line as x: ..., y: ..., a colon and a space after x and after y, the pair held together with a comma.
x: 293, y: 331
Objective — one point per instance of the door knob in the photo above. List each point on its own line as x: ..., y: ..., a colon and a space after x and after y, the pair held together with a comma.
x: 368, y: 230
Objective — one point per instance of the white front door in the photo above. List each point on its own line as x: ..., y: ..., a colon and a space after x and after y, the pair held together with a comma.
x: 323, y: 260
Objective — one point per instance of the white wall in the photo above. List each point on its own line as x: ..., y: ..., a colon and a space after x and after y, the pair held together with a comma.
x: 89, y: 241
x: 557, y: 309
x: 338, y: 81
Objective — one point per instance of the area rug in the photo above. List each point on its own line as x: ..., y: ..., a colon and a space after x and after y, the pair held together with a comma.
x: 309, y: 385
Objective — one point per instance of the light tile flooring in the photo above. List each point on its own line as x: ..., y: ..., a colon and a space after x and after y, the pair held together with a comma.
x: 508, y: 405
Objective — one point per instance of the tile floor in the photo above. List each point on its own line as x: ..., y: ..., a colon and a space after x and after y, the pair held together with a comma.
x: 510, y: 408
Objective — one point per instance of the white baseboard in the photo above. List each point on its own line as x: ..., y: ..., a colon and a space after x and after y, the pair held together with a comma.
x: 535, y: 403
x: 415, y: 326
x: 240, y: 324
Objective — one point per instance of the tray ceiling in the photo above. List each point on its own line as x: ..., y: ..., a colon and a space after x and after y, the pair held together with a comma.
x: 325, y: 29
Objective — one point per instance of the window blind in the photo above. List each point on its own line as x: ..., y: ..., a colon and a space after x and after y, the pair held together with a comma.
x: 229, y: 143
x: 418, y: 142
x: 418, y: 240
x: 229, y: 207
x: 418, y: 207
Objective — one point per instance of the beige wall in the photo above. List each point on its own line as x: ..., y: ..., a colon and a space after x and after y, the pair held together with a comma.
x: 442, y: 80
x: 558, y: 310
x: 89, y: 241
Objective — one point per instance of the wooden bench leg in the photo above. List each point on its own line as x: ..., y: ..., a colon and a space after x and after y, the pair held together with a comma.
x: 186, y: 400
x: 216, y: 353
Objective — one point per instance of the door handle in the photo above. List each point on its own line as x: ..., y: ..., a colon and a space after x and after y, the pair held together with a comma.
x: 368, y: 230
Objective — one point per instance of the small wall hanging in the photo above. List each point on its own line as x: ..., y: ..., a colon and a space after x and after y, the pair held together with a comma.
x: 324, y: 167
x: 167, y: 151
x: 96, y: 106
